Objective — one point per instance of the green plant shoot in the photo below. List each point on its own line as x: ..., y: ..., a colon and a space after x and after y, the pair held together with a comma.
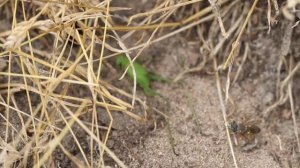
x: 143, y: 77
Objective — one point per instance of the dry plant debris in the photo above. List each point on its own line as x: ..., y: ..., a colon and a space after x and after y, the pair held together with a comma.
x: 55, y: 57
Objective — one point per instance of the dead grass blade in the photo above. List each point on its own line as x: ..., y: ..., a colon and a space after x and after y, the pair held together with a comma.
x: 224, y: 113
x: 236, y: 43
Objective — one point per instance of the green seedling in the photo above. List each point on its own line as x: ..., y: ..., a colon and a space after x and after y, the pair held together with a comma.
x: 143, y: 77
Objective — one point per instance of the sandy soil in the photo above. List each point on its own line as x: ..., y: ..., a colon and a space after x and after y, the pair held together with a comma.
x: 195, y: 117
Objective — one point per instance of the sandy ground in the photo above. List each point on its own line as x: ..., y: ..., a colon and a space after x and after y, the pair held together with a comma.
x: 196, y: 122
x: 197, y: 125
x: 193, y: 149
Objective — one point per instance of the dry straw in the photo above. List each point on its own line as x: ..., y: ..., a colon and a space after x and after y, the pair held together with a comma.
x: 58, y: 52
